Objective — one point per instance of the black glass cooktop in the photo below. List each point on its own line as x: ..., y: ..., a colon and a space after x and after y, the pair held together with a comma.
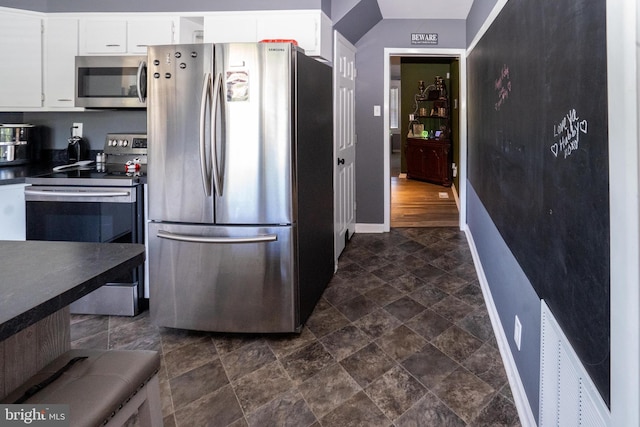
x: 115, y: 176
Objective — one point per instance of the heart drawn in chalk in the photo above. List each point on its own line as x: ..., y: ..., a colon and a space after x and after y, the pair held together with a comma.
x: 554, y: 149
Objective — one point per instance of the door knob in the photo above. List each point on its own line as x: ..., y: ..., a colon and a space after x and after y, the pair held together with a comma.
x: 340, y: 161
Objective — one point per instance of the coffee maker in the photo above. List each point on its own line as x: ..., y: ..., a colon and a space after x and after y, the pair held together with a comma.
x: 77, y: 149
x: 18, y: 144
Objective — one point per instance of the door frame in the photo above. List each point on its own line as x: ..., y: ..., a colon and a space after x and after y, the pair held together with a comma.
x: 461, y: 54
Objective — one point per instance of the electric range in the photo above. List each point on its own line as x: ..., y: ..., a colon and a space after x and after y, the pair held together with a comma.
x: 103, y: 203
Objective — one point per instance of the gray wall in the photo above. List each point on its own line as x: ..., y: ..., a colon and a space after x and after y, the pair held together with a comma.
x: 512, y: 294
x: 511, y: 291
x: 388, y: 33
x: 56, y: 127
x: 477, y: 15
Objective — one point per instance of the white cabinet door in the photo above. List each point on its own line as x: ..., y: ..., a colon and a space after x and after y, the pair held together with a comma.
x: 304, y: 28
x: 12, y: 212
x: 21, y: 64
x: 103, y: 36
x: 311, y: 29
x: 141, y: 34
x: 60, y: 50
x: 230, y: 28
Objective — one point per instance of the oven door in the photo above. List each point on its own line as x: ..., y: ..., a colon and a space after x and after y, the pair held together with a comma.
x: 91, y: 214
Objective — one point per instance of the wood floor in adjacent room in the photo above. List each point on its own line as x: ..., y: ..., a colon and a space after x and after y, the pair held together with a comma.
x: 421, y: 204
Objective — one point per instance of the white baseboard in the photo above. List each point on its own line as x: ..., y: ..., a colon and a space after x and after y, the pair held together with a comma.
x: 370, y: 228
x: 527, y: 418
x: 454, y: 190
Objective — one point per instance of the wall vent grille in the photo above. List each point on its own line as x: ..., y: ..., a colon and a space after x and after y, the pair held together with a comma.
x: 567, y: 394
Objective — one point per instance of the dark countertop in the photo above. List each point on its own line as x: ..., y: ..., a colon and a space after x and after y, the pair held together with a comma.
x: 39, y: 278
x: 17, y: 174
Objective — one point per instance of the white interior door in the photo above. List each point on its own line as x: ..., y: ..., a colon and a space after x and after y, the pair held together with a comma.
x: 344, y: 86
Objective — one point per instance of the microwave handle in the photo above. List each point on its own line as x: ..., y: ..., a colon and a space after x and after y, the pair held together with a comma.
x: 141, y: 86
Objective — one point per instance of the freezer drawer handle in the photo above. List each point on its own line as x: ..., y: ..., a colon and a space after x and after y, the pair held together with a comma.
x: 203, y: 239
x: 56, y: 193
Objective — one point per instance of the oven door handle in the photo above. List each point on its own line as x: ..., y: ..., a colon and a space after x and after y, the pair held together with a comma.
x: 80, y: 194
x: 203, y: 239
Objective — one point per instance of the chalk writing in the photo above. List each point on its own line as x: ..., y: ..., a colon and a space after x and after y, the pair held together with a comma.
x: 566, y: 134
x: 503, y: 86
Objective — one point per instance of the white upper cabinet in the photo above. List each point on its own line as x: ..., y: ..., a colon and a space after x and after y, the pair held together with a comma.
x: 103, y: 36
x: 60, y: 50
x: 230, y: 27
x: 311, y: 29
x: 141, y: 34
x: 21, y: 64
x: 117, y: 36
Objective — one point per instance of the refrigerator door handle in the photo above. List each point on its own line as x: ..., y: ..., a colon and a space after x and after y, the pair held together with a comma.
x: 205, y: 99
x: 217, y: 100
x: 203, y: 239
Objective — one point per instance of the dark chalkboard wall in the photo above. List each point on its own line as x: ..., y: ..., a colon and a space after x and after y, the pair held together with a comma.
x: 538, y: 151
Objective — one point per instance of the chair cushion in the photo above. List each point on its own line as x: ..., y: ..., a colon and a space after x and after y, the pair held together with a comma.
x: 95, y: 388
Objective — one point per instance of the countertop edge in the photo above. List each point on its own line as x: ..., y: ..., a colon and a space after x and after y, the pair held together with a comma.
x: 55, y: 303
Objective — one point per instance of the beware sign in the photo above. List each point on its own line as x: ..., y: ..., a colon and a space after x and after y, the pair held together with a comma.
x: 424, y: 38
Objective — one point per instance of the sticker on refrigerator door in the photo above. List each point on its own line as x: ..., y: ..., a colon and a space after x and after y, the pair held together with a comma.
x: 237, y: 86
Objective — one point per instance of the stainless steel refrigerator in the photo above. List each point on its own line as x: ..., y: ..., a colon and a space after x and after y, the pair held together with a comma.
x: 240, y: 186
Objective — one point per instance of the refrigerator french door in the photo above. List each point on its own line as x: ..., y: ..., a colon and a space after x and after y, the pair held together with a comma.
x: 224, y: 237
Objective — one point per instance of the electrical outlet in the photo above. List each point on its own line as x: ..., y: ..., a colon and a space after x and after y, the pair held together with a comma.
x: 517, y: 332
x: 76, y: 130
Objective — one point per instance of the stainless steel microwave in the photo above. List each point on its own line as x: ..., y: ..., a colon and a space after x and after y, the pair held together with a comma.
x: 111, y: 81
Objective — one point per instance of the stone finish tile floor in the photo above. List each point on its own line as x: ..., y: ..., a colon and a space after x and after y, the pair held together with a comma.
x: 401, y: 337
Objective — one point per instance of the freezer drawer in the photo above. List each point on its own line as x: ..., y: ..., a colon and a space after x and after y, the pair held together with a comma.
x: 223, y: 279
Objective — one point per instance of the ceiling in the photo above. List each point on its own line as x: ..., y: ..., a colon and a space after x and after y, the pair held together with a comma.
x: 425, y: 9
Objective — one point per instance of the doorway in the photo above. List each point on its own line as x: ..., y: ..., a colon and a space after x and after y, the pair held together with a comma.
x: 415, y: 201
x: 423, y: 204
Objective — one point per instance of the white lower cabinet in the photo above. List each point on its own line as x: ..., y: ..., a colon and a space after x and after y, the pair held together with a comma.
x: 12, y: 212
